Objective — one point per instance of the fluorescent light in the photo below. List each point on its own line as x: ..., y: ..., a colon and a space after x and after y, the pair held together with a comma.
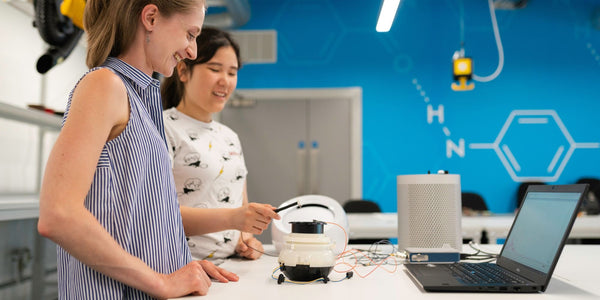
x: 386, y: 15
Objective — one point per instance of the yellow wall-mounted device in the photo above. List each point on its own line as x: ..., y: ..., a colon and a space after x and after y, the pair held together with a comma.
x: 462, y: 70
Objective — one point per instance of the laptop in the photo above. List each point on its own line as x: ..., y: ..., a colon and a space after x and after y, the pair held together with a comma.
x: 529, y: 254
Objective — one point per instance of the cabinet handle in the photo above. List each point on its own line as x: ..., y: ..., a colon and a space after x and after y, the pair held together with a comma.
x: 301, y: 168
x: 314, y: 163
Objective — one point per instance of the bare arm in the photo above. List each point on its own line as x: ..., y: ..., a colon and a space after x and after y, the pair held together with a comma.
x: 248, y: 246
x: 99, y: 112
x: 250, y: 217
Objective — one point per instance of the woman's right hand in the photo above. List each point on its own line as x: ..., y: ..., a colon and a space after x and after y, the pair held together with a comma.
x: 189, y: 280
x: 254, y: 217
x: 193, y: 279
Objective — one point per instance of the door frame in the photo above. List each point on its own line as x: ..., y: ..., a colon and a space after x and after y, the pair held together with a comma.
x: 354, y: 94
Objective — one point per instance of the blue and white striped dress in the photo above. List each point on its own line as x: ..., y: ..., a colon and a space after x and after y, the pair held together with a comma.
x: 132, y: 195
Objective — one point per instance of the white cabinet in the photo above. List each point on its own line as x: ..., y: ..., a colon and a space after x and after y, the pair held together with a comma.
x: 299, y: 141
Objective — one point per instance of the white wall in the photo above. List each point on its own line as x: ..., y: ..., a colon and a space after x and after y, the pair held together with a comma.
x: 20, y: 85
x: 21, y: 47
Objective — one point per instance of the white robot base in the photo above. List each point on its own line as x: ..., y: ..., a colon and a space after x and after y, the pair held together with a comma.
x: 307, y: 254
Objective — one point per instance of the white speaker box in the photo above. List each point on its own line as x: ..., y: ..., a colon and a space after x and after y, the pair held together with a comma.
x: 429, y: 211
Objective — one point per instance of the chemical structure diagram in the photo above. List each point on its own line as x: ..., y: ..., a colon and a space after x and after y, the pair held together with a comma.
x: 541, y: 157
x: 549, y: 139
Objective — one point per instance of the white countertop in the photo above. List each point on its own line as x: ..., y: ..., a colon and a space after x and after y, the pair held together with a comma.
x: 575, y: 277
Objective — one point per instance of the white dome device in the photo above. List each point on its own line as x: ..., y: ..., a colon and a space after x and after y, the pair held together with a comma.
x: 307, y: 254
x: 309, y: 208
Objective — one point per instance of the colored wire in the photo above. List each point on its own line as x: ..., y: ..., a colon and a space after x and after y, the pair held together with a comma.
x: 376, y: 265
x: 371, y: 257
x: 345, y: 237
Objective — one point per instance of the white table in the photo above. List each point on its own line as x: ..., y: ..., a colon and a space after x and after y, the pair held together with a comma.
x: 385, y: 225
x: 575, y: 277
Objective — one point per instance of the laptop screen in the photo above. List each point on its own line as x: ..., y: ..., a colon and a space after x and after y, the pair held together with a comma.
x: 539, y: 228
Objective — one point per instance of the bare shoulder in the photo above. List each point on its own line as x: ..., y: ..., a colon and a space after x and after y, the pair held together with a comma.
x: 104, y: 83
x: 102, y: 93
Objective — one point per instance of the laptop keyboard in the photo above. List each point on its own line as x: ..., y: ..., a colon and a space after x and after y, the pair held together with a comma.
x: 474, y: 273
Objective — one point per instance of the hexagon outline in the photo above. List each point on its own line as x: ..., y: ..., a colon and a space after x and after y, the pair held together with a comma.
x: 509, y: 165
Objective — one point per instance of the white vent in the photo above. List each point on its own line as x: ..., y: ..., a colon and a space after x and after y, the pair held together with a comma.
x: 256, y: 46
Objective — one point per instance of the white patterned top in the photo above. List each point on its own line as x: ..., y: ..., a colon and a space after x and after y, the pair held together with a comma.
x: 210, y: 172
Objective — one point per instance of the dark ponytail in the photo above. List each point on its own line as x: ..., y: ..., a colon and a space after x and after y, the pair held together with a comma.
x: 172, y: 91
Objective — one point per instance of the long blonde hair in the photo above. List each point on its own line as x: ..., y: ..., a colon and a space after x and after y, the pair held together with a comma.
x: 111, y: 24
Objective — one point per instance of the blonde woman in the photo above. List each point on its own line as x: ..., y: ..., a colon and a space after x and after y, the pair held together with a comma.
x: 108, y: 197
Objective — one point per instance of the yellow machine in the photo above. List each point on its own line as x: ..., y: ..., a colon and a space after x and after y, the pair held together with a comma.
x: 74, y: 10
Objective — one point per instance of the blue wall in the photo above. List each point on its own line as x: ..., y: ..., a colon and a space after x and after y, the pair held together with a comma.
x: 550, y: 82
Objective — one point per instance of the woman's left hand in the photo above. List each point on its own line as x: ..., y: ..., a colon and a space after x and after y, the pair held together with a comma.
x: 249, y: 247
x: 218, y: 273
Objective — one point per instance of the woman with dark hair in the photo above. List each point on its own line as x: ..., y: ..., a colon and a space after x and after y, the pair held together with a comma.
x: 208, y: 163
x: 108, y: 198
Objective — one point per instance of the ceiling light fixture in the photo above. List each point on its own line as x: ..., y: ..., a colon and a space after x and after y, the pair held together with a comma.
x: 386, y: 15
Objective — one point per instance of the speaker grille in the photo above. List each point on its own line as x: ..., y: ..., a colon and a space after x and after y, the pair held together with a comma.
x: 433, y: 219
